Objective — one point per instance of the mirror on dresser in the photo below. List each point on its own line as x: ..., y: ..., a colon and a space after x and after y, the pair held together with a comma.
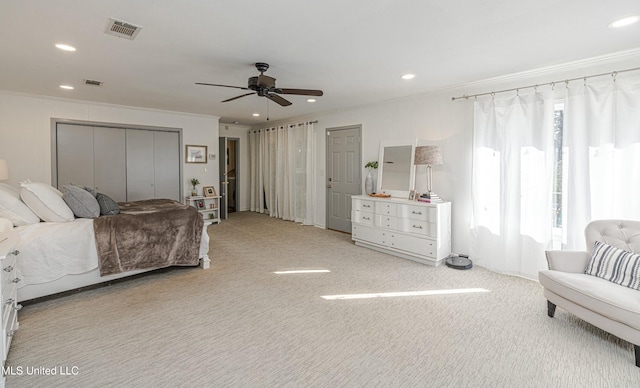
x: 396, y: 172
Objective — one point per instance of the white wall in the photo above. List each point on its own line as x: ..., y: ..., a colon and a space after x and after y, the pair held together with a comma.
x: 25, y: 133
x: 242, y: 133
x: 438, y: 120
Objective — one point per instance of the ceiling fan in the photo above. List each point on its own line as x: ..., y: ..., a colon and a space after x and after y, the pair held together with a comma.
x: 265, y: 86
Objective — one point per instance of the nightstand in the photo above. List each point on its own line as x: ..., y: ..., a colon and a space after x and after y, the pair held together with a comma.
x: 9, y: 291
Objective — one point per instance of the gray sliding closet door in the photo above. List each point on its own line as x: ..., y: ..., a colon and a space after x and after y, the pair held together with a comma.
x: 167, y: 165
x: 74, y: 148
x: 140, y: 165
x: 125, y: 164
x: 110, y: 166
x: 153, y: 165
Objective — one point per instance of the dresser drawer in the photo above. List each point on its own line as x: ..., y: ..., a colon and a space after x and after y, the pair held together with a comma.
x: 9, y: 302
x: 386, y: 209
x: 421, y: 213
x: 416, y: 245
x: 8, y: 266
x: 423, y: 228
x: 363, y: 205
x: 365, y: 218
x: 370, y: 234
x: 387, y: 222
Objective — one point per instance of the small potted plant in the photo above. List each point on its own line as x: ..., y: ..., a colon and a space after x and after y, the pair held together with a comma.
x: 194, y: 182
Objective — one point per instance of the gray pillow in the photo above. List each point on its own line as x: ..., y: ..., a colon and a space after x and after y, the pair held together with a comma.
x: 80, y: 201
x: 108, y: 207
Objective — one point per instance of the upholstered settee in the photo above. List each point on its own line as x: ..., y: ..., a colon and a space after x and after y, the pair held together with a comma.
x: 612, y: 307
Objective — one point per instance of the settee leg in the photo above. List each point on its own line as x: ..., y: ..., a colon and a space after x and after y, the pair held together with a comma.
x: 551, y: 310
x: 637, y: 348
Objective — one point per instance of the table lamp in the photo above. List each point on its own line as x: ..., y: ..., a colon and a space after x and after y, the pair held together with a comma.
x: 428, y: 155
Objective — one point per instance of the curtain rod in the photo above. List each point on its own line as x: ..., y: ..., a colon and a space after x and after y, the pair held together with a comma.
x: 552, y: 84
x: 276, y: 127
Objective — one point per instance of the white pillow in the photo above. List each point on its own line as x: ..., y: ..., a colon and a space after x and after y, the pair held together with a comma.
x: 46, y: 201
x: 12, y: 208
x: 5, y: 225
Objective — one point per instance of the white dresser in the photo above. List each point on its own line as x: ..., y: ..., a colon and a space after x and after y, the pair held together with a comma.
x: 412, y: 230
x: 9, y: 287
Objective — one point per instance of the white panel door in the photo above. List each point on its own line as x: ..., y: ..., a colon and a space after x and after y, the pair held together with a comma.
x: 74, y: 150
x: 140, y: 165
x: 110, y: 162
x: 167, y: 165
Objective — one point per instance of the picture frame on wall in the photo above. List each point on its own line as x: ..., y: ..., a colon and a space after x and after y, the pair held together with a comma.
x: 196, y: 154
x: 209, y: 191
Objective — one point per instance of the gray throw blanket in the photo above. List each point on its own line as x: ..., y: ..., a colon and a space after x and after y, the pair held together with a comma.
x: 153, y: 233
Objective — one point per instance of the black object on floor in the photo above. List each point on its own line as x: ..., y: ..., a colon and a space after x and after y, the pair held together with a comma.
x: 459, y: 262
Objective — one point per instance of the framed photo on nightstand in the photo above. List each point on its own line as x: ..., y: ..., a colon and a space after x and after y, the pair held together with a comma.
x: 209, y: 191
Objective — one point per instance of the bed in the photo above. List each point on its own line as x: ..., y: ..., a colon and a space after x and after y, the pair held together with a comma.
x: 146, y: 235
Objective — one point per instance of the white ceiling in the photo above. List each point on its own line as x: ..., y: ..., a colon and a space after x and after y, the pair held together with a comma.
x: 355, y: 51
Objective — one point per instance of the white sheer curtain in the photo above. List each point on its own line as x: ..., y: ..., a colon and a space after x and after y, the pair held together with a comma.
x: 512, y: 183
x: 281, y: 172
x: 602, y: 155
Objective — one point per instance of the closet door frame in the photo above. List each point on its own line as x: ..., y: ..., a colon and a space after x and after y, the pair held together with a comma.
x: 54, y: 155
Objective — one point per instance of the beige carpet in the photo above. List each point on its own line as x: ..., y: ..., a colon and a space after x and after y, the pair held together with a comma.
x: 240, y: 325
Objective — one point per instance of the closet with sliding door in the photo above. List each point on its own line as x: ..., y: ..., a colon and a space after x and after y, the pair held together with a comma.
x: 127, y: 164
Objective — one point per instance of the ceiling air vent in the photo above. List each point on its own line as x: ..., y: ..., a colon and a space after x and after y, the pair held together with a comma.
x: 92, y: 82
x: 122, y: 29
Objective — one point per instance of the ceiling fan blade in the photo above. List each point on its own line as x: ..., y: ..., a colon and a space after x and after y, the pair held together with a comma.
x: 224, y: 86
x: 240, y: 96
x: 303, y: 92
x: 277, y: 99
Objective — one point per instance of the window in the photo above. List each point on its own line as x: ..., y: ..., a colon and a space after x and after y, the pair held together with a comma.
x: 558, y: 175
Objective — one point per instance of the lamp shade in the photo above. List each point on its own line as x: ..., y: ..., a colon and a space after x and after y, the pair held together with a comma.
x: 428, y: 155
x: 4, y: 170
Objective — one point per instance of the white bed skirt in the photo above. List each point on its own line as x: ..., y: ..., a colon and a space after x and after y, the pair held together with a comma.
x: 72, y: 282
x: 57, y: 257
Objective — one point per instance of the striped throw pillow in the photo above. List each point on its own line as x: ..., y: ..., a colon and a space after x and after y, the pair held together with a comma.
x: 616, y: 265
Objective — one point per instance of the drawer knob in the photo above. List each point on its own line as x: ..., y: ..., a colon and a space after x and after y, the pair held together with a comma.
x: 15, y: 252
x: 9, y: 301
x: 8, y: 268
x: 417, y: 226
x: 16, y: 280
x: 366, y: 218
x: 415, y: 212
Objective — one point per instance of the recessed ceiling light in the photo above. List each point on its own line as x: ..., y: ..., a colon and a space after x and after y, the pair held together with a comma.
x: 311, y: 100
x: 256, y: 115
x: 65, y: 47
x: 624, y: 21
x: 66, y: 87
x: 408, y: 76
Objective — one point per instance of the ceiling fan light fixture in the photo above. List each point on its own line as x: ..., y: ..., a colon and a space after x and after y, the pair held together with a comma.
x: 625, y: 21
x: 65, y: 47
x: 409, y: 76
